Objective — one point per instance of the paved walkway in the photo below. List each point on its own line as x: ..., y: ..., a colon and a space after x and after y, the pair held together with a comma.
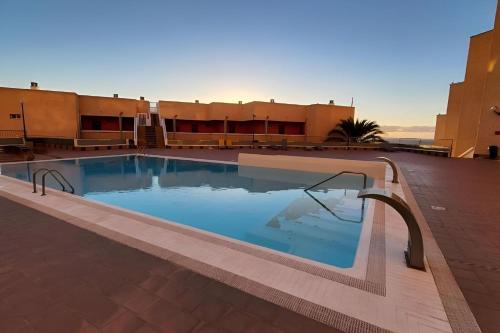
x: 465, y: 219
x: 55, y: 277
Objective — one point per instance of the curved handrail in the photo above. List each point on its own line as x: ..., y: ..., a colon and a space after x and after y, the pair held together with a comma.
x: 72, y: 189
x: 55, y: 174
x: 35, y: 173
x: 415, y: 253
x: 332, y: 177
x: 395, y: 178
x: 338, y: 174
x: 335, y: 215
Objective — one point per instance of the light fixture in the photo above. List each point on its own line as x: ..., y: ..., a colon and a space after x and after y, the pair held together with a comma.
x: 495, y: 109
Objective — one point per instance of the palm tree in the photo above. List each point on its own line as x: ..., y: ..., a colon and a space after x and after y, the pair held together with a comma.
x: 348, y: 130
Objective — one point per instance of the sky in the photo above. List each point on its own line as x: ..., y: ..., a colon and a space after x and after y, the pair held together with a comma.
x: 396, y: 58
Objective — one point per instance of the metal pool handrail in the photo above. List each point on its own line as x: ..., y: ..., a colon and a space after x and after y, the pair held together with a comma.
x: 395, y: 179
x: 335, y: 215
x: 55, y: 174
x: 414, y: 254
x: 338, y: 174
x: 329, y: 210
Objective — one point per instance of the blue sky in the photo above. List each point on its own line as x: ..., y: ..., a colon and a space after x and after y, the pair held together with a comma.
x: 396, y: 58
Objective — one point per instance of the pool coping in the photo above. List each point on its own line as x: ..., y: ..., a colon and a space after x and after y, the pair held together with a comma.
x: 313, y: 310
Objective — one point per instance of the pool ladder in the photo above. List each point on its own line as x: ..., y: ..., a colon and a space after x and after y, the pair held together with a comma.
x: 365, y: 177
x: 59, y: 178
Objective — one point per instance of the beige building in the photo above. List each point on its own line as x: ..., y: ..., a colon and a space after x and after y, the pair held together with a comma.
x: 66, y: 118
x: 472, y: 120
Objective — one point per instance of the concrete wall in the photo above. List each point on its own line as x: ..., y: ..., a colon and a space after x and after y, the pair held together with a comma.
x: 440, y: 131
x: 469, y: 121
x: 48, y: 114
x: 321, y: 119
x: 110, y: 106
x: 488, y: 132
x: 183, y: 110
x: 473, y: 90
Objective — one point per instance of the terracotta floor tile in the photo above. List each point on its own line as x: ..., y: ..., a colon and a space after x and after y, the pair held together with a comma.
x: 140, y: 300
x: 236, y: 321
x: 124, y: 323
x: 211, y: 309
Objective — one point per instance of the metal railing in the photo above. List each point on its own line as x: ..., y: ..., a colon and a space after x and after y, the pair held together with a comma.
x: 164, y: 130
x: 55, y: 174
x: 11, y: 134
x: 136, y: 123
x: 365, y: 177
x: 337, y: 216
x: 414, y: 253
x: 328, y: 209
x: 395, y: 178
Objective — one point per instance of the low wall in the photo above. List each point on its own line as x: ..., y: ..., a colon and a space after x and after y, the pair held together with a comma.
x: 373, y: 169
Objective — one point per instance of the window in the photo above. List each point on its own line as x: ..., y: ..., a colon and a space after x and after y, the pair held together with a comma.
x: 194, y: 128
x: 232, y: 128
x: 281, y: 129
x: 15, y: 116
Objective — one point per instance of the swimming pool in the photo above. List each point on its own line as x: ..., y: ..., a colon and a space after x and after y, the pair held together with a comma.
x: 261, y: 206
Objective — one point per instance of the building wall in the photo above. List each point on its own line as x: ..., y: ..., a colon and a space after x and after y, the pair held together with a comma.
x: 440, y: 138
x: 48, y: 114
x: 489, y: 125
x: 447, y: 125
x: 469, y: 121
x: 453, y: 112
x: 473, y: 91
x: 51, y: 114
x: 321, y: 119
x: 183, y: 110
x: 306, y: 122
x: 111, y: 106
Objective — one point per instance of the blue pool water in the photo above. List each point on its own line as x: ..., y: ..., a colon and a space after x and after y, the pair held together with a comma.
x: 266, y: 207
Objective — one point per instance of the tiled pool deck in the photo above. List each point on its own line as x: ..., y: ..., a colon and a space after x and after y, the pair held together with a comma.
x: 55, y: 277
x: 465, y: 231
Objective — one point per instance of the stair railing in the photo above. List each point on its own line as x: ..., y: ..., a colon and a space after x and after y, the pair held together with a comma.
x: 136, y: 123
x: 164, y: 129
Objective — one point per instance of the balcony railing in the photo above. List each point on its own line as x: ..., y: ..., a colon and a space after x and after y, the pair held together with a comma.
x: 11, y: 133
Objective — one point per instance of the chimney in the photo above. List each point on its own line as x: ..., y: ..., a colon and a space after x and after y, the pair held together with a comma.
x: 115, y: 95
x: 332, y: 102
x: 272, y: 100
x: 196, y: 101
x: 141, y: 98
x: 34, y: 86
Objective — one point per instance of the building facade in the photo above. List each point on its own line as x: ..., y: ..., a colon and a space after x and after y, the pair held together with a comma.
x: 64, y: 116
x: 472, y: 120
x: 254, y: 121
x: 47, y: 116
